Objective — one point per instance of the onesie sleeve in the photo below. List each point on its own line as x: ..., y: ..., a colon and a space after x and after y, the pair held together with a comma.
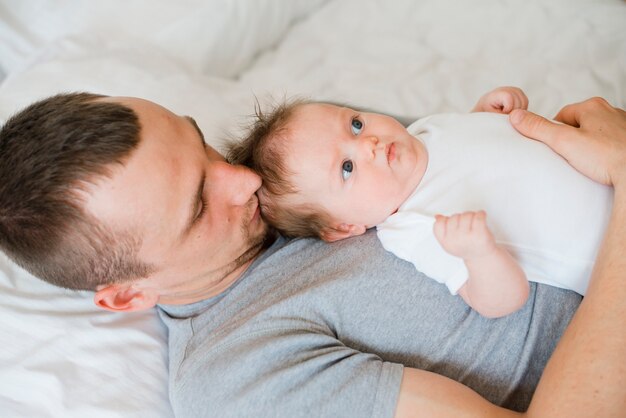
x: 284, y: 372
x: 409, y: 235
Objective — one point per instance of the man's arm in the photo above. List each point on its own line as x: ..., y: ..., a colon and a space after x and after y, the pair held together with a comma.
x: 426, y: 394
x: 586, y: 375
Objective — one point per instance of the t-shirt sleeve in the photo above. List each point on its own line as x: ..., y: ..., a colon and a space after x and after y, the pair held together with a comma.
x: 285, y: 372
x: 409, y: 235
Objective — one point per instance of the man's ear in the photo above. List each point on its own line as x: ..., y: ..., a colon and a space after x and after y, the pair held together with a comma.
x: 125, y: 298
x: 341, y: 231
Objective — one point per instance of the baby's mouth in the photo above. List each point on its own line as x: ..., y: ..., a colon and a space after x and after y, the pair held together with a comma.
x: 391, y: 152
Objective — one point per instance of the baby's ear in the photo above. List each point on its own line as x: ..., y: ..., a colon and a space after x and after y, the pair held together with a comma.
x: 341, y: 231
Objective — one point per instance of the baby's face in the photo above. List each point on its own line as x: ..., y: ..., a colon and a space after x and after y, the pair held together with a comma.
x: 359, y: 166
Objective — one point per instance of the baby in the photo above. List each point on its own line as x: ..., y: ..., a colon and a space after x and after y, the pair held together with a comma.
x: 333, y: 172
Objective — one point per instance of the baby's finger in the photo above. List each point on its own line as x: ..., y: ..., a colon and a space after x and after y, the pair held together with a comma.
x: 465, y: 221
x: 521, y: 101
x: 524, y: 99
x: 440, y: 228
x: 455, y: 221
x: 480, y: 220
x: 507, y: 103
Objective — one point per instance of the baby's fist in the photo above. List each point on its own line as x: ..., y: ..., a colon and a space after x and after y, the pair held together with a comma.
x: 464, y: 235
x: 502, y: 100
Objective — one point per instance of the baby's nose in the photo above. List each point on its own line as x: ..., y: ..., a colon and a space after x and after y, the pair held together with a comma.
x: 372, y: 139
x: 370, y: 145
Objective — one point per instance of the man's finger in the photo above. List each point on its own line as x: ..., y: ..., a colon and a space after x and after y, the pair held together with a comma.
x: 569, y: 115
x: 539, y: 128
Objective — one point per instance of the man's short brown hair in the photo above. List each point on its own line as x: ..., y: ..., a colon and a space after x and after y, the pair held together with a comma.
x: 49, y: 152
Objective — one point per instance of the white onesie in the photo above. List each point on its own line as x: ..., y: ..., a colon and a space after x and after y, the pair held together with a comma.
x: 548, y: 215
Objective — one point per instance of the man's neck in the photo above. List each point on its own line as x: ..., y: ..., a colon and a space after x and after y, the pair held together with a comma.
x: 228, y: 275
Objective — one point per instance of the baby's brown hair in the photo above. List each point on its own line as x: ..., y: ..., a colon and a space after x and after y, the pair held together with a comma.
x: 263, y: 150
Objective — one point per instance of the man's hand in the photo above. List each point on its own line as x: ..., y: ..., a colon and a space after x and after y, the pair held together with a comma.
x: 591, y: 137
x: 464, y: 235
x: 502, y: 100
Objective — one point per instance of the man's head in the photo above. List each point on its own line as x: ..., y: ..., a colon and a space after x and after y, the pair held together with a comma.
x: 49, y: 153
x: 151, y: 215
x: 330, y: 171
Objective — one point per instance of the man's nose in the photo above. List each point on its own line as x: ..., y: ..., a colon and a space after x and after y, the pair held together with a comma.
x: 237, y: 183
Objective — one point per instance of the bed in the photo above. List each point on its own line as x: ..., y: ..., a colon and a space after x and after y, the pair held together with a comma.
x: 61, y: 356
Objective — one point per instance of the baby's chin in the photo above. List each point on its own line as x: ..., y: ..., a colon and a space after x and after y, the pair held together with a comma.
x: 380, y: 219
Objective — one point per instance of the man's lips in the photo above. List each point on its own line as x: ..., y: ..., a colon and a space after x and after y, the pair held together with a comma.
x: 257, y: 212
x: 257, y: 208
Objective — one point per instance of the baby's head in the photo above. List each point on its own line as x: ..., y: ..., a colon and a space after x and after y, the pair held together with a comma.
x: 330, y: 171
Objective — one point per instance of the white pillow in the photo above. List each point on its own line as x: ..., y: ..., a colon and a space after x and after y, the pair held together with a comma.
x: 61, y: 356
x: 218, y: 37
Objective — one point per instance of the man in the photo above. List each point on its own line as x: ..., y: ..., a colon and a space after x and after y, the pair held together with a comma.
x: 123, y: 197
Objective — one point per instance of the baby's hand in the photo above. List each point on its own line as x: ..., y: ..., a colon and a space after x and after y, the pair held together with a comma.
x: 464, y: 235
x: 502, y: 100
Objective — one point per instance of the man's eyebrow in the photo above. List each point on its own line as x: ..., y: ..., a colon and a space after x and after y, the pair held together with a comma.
x: 197, y: 128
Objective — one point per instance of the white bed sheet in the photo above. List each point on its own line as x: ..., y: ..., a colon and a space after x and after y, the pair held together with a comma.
x: 62, y: 357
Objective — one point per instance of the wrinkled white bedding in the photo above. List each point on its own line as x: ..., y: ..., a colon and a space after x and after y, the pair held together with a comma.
x: 62, y: 357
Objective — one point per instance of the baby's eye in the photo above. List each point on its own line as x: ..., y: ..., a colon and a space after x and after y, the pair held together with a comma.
x: 346, y: 169
x: 356, y: 126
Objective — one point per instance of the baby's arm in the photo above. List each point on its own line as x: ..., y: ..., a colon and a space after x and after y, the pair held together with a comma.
x: 502, y: 100
x: 496, y: 286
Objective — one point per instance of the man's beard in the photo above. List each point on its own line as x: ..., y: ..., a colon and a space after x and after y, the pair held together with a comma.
x: 256, y: 245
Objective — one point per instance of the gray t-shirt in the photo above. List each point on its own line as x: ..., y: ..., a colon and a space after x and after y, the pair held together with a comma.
x: 323, y: 330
